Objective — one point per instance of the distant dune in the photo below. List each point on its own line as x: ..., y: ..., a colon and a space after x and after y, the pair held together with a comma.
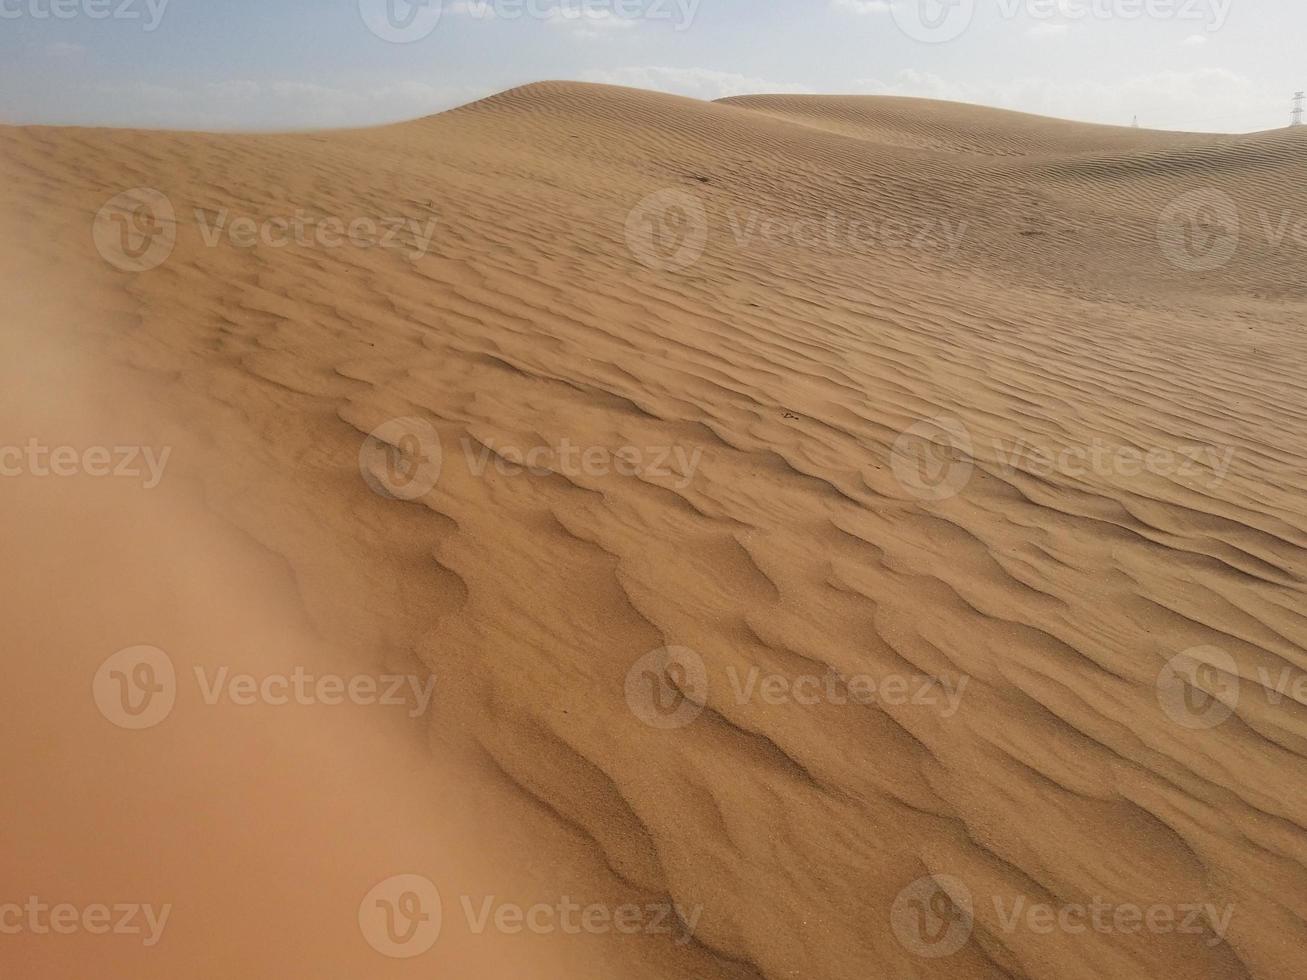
x: 1000, y: 417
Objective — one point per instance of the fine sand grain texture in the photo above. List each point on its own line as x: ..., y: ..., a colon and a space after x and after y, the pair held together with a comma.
x: 956, y: 454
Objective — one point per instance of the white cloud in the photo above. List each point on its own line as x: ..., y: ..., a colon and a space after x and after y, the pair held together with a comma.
x: 1195, y: 40
x: 595, y: 24
x: 1206, y: 99
x: 697, y: 83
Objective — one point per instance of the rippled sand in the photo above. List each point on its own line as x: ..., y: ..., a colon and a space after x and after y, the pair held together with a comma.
x: 870, y: 529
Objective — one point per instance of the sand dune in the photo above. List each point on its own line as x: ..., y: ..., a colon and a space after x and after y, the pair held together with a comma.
x: 999, y: 414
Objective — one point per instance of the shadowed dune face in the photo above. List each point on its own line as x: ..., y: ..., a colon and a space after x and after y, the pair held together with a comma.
x: 872, y: 528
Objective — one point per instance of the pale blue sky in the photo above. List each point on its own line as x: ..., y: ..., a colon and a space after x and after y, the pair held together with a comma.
x: 1221, y: 65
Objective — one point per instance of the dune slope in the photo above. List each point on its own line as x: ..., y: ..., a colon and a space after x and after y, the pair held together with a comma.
x: 717, y: 382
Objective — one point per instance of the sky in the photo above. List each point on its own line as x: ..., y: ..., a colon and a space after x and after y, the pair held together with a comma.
x: 1205, y: 65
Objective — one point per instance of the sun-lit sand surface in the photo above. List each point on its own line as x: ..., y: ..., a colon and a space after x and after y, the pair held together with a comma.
x: 832, y: 273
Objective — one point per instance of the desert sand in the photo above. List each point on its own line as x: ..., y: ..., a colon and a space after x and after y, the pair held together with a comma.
x: 1000, y: 415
